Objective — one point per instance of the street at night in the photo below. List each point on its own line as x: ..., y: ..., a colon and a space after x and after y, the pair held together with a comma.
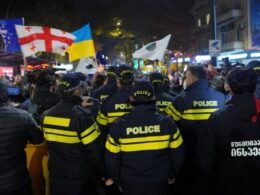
x: 132, y: 97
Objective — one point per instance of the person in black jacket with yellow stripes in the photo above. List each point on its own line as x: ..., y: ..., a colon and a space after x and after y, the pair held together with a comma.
x: 191, y: 110
x: 163, y: 99
x: 144, y: 148
x: 116, y: 105
x: 72, y: 137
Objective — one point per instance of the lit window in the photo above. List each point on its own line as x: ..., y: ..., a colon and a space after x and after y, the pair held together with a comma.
x: 199, y: 22
x: 207, y: 18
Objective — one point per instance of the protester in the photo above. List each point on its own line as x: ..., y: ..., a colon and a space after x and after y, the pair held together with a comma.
x: 17, y: 127
x: 229, y: 157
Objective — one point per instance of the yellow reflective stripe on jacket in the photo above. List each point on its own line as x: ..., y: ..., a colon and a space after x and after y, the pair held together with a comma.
x: 61, y: 138
x: 91, y: 137
x: 145, y: 146
x: 176, y: 143
x: 175, y: 135
x: 206, y: 110
x: 101, y: 119
x: 161, y: 109
x: 116, y: 114
x: 175, y: 111
x: 171, y: 111
x: 256, y: 68
x: 60, y: 132
x: 57, y: 121
x: 111, y: 145
x: 113, y: 116
x: 196, y: 116
x: 144, y: 139
x: 88, y: 130
x: 111, y: 119
x: 111, y: 140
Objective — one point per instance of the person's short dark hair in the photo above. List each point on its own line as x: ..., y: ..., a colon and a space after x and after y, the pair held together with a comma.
x: 242, y: 80
x: 142, y: 91
x: 199, y: 72
x: 255, y: 64
x: 99, y: 79
x: 156, y: 78
x: 3, y: 93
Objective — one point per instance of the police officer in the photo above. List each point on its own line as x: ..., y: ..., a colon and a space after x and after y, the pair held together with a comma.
x: 117, y: 105
x: 229, y: 150
x: 191, y: 111
x: 72, y: 137
x: 167, y: 86
x: 16, y: 128
x: 163, y: 99
x: 144, y: 148
x: 110, y: 86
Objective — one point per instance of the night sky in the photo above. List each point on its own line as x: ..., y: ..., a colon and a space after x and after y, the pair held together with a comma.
x: 147, y: 20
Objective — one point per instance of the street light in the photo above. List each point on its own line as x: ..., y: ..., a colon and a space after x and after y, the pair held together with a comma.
x: 213, y: 28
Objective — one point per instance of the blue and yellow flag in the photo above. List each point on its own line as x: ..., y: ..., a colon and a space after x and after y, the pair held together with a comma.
x: 83, y: 45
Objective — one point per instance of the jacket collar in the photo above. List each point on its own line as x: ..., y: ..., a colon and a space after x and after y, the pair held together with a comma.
x: 72, y: 99
x: 144, y: 107
x: 199, y: 84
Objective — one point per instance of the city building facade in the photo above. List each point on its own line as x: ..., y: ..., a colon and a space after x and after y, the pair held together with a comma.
x: 237, y: 25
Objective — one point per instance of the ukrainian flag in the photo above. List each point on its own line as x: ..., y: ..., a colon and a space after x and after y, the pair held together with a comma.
x: 83, y: 45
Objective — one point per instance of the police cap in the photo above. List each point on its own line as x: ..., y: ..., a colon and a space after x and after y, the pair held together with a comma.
x: 156, y: 78
x: 142, y: 91
x: 124, y: 72
x: 255, y: 64
x: 69, y: 82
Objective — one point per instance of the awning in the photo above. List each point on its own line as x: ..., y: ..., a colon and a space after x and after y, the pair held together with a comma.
x: 17, y: 58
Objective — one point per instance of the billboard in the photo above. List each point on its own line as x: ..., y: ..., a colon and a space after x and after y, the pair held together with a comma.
x: 255, y: 24
x: 6, y: 70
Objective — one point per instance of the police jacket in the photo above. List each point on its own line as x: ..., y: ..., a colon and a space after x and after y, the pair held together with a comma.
x: 192, y: 108
x: 104, y: 92
x: 100, y: 94
x: 144, y: 147
x: 117, y: 105
x: 72, y: 139
x: 229, y: 151
x: 163, y: 99
x: 16, y: 128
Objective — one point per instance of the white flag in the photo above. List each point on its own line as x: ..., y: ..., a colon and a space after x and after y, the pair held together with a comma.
x: 33, y: 39
x: 154, y: 50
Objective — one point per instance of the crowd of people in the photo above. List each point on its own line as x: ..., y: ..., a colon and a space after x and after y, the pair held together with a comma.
x: 116, y: 134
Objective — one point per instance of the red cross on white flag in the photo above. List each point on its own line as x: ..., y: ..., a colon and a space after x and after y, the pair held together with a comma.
x: 36, y: 38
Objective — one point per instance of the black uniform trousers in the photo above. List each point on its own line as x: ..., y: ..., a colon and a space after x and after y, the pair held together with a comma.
x: 61, y: 186
x: 24, y: 188
x: 159, y: 188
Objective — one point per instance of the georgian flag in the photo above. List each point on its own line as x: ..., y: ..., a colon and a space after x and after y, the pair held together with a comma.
x: 34, y: 39
x: 154, y: 50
